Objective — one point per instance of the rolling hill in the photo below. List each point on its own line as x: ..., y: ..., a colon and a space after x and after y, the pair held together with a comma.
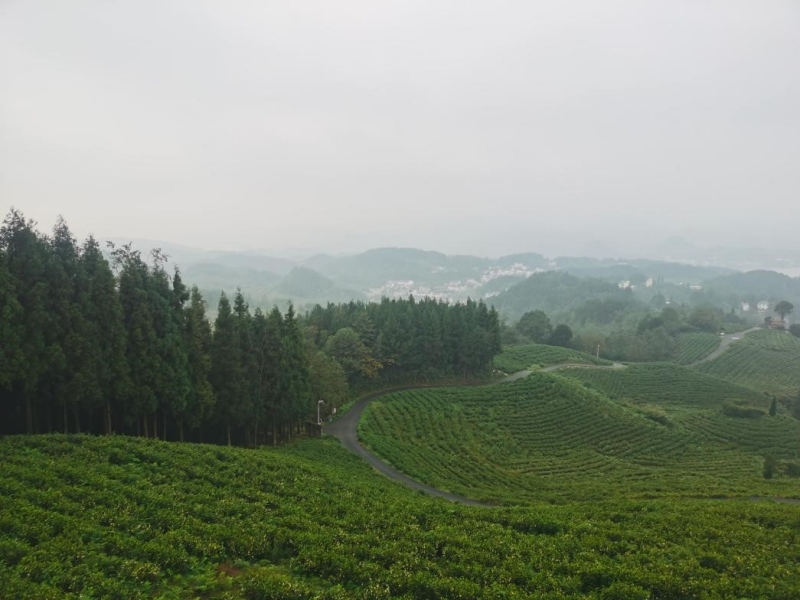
x: 766, y: 361
x: 548, y: 437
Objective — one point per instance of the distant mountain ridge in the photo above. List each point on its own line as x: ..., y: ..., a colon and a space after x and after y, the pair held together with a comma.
x: 398, y: 272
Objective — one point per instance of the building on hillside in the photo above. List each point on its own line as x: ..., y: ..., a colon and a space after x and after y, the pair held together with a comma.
x: 624, y: 285
x: 695, y: 287
x: 763, y: 305
x: 775, y: 323
x: 649, y: 282
x: 745, y: 307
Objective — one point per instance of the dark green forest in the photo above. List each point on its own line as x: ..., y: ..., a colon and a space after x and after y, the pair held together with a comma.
x: 113, y: 342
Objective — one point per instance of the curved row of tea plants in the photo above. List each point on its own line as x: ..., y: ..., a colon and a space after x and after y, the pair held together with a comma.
x: 91, y: 517
x: 521, y: 358
x: 114, y: 517
x: 550, y: 438
x: 695, y: 346
x: 767, y: 361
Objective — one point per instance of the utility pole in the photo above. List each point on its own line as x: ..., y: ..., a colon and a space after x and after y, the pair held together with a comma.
x: 598, y: 351
x: 319, y: 403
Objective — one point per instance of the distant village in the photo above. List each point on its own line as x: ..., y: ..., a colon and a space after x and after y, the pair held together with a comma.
x: 452, y: 290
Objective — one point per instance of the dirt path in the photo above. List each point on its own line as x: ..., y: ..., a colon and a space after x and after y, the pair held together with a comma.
x: 346, y: 430
x: 346, y: 427
x: 725, y: 341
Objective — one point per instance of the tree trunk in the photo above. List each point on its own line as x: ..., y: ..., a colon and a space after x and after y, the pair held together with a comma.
x: 180, y: 429
x: 155, y: 425
x: 229, y: 434
x: 144, y: 421
x: 64, y: 416
x: 164, y: 426
x: 49, y: 421
x: 77, y: 412
x: 28, y: 414
x: 107, y: 418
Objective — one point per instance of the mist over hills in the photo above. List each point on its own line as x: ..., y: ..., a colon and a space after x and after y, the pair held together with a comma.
x: 505, y: 281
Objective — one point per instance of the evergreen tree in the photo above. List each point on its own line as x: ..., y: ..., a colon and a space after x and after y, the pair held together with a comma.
x: 225, y: 365
x: 197, y: 335
x: 107, y: 375
x: 142, y: 347
x: 70, y: 365
x: 295, y: 384
x: 248, y: 393
x: 26, y: 257
x: 11, y: 330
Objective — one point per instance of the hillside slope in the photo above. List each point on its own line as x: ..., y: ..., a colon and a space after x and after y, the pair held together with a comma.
x: 766, y: 361
x: 548, y: 437
x: 131, y: 518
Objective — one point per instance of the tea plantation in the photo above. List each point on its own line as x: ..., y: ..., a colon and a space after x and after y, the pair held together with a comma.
x: 550, y: 438
x: 695, y: 346
x: 520, y: 358
x: 115, y: 517
x: 767, y: 361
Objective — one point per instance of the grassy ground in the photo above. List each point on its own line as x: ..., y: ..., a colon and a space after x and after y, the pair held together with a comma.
x: 520, y: 358
x: 766, y: 361
x: 90, y: 517
x: 551, y: 438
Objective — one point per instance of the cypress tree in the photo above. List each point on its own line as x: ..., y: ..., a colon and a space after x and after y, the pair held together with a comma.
x: 225, y: 365
x: 11, y: 334
x: 107, y: 376
x: 142, y: 348
x: 294, y: 367
x: 26, y: 257
x: 197, y: 335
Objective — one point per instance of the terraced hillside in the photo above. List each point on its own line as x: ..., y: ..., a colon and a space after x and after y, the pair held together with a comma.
x: 520, y: 358
x: 695, y: 346
x: 549, y: 437
x: 90, y: 517
x: 766, y: 361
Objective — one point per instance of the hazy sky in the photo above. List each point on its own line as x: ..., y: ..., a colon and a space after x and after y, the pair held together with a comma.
x: 459, y: 126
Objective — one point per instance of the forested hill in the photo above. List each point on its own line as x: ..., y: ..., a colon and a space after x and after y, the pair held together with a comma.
x: 92, y: 346
x: 754, y: 286
x: 554, y: 291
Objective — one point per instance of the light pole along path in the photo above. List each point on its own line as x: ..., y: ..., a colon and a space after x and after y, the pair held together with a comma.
x: 345, y: 429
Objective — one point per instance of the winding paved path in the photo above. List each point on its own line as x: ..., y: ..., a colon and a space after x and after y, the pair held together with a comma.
x: 726, y: 340
x: 346, y: 427
x: 346, y: 430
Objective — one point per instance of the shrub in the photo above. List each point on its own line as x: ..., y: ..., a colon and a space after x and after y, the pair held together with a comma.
x: 769, y: 467
x: 742, y: 411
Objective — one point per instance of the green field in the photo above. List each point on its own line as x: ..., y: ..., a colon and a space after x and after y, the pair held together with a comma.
x: 520, y: 358
x: 550, y: 438
x: 91, y: 517
x: 695, y: 346
x: 766, y: 361
x: 667, y: 385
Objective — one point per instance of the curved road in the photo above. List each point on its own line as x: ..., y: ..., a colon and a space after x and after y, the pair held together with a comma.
x: 346, y: 427
x: 346, y: 430
x: 726, y: 340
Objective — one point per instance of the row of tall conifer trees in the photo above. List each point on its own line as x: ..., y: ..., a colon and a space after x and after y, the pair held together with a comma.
x: 87, y: 347
x: 111, y: 342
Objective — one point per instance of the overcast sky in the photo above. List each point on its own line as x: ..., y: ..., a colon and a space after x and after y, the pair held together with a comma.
x: 469, y: 127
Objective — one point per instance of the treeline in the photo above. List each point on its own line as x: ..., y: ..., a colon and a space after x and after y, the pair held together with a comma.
x: 84, y: 348
x: 623, y: 331
x: 402, y: 340
x: 92, y: 345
